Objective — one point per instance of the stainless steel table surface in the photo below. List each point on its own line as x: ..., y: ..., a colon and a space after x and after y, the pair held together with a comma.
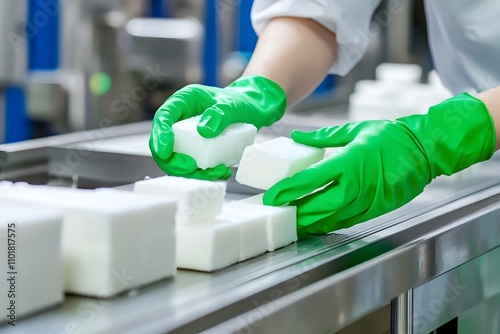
x: 29, y: 160
x: 195, y: 301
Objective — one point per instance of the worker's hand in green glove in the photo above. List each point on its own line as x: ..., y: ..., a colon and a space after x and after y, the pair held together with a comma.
x: 381, y: 165
x: 250, y: 99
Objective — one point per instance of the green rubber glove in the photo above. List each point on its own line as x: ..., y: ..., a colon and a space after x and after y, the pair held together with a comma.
x: 250, y: 99
x: 382, y: 165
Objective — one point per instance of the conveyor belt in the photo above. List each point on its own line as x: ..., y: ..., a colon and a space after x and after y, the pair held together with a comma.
x: 194, y: 301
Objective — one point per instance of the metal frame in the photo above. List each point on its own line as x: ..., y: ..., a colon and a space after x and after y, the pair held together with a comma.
x: 36, y: 151
x: 317, y: 285
x: 336, y: 301
x: 402, y: 313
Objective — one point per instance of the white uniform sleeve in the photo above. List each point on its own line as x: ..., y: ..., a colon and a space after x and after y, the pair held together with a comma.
x: 348, y: 19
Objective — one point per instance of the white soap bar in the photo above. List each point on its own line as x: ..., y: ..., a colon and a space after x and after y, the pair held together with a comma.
x: 227, y: 148
x: 401, y: 73
x: 156, y: 241
x: 281, y: 221
x: 253, y: 229
x: 112, y: 241
x: 237, y: 234
x: 33, y: 234
x: 198, y: 201
x: 208, y: 246
x: 264, y: 164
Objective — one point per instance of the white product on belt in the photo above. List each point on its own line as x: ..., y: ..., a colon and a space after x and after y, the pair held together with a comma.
x: 198, y: 200
x: 226, y: 148
x: 237, y: 234
x: 156, y: 240
x: 30, y: 240
x: 264, y: 164
x: 281, y: 221
x: 253, y: 232
x: 109, y: 237
x: 208, y: 246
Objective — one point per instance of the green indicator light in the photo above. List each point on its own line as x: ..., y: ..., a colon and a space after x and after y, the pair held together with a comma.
x: 100, y: 83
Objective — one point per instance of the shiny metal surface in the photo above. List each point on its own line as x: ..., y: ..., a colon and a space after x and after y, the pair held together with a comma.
x: 457, y: 290
x: 91, y: 33
x: 321, y: 284
x: 35, y: 152
x: 377, y: 322
x: 402, y: 313
x: 98, y: 160
x: 173, y: 44
x: 118, y: 65
x: 483, y: 318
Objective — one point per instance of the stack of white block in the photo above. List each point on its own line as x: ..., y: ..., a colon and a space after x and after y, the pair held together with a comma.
x: 30, y: 257
x: 112, y: 241
x: 202, y: 244
x: 197, y: 200
x: 281, y: 221
x: 212, y: 235
x: 396, y: 92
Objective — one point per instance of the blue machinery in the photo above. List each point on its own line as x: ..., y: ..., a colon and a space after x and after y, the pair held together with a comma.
x: 42, y: 34
x: 43, y: 30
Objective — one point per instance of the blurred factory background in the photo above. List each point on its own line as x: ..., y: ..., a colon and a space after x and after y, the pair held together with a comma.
x: 72, y: 65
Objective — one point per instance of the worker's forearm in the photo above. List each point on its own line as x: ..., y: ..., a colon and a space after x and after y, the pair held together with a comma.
x: 296, y: 53
x: 492, y: 100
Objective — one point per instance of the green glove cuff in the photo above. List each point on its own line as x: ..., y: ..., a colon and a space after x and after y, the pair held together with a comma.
x: 454, y: 135
x: 265, y: 95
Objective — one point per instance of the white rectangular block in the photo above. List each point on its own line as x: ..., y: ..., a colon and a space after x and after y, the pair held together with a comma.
x: 253, y: 229
x: 281, y: 221
x: 400, y: 73
x: 112, y: 241
x: 208, y: 246
x: 156, y: 240
x: 197, y: 200
x: 227, y: 148
x: 30, y: 246
x: 264, y: 164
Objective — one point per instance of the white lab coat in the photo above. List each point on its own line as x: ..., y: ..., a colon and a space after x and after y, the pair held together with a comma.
x: 464, y: 35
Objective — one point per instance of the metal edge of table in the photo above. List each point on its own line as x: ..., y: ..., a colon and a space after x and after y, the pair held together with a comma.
x: 35, y: 150
x: 337, y: 273
x: 454, y: 293
x: 338, y: 300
